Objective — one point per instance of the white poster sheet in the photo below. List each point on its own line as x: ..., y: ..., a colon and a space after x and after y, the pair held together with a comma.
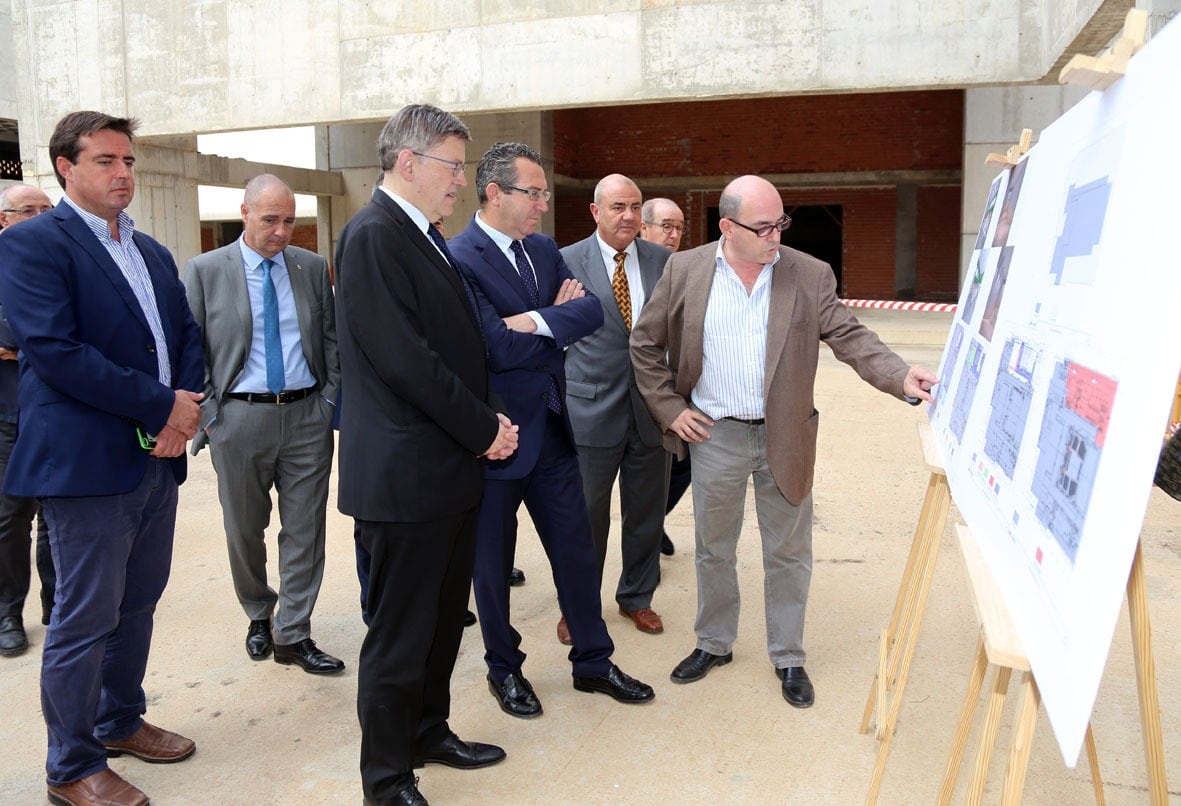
x: 1060, y: 367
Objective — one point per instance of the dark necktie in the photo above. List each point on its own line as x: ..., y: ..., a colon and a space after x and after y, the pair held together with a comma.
x: 623, y: 296
x: 276, y: 378
x: 526, y: 272
x: 553, y: 400
x: 454, y: 264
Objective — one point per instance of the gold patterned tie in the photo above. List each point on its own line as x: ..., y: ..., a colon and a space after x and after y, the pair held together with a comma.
x: 623, y: 295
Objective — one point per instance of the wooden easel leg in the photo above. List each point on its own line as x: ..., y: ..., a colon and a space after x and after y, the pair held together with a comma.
x: 1093, y: 763
x: 992, y: 723
x: 1022, y: 741
x: 1154, y: 749
x: 910, y: 602
x: 964, y: 726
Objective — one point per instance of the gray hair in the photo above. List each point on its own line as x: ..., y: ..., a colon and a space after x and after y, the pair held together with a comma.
x: 648, y: 211
x: 417, y: 127
x: 499, y: 165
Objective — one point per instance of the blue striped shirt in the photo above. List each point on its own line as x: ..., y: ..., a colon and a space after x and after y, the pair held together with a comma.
x: 735, y: 344
x: 131, y: 263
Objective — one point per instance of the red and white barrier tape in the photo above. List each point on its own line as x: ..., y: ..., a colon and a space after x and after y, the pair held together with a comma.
x: 899, y: 305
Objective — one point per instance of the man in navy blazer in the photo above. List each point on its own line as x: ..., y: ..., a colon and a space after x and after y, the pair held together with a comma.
x: 532, y: 309
x: 110, y: 361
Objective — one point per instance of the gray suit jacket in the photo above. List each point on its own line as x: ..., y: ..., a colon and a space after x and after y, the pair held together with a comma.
x: 215, y: 284
x: 600, y: 383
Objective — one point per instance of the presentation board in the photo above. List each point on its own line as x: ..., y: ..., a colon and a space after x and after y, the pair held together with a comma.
x: 1059, y: 371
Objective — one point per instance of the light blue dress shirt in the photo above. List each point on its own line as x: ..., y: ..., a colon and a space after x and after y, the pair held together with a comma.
x: 295, y: 366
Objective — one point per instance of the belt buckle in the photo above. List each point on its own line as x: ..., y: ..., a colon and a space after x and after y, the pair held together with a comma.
x: 281, y: 399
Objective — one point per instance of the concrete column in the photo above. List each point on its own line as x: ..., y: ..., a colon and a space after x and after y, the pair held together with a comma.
x: 165, y: 204
x: 351, y: 149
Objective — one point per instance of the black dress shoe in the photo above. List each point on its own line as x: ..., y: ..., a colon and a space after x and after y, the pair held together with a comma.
x: 697, y: 665
x: 258, y: 640
x: 516, y: 578
x: 13, y: 640
x: 666, y: 546
x: 515, y: 696
x: 797, y: 688
x: 469, y: 618
x: 406, y: 795
x: 618, y: 685
x: 306, y: 655
x: 455, y: 752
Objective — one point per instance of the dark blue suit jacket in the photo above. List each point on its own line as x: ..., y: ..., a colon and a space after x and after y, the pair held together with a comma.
x: 522, y: 363
x: 88, y: 359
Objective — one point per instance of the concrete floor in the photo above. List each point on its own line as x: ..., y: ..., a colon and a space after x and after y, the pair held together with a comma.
x: 272, y: 734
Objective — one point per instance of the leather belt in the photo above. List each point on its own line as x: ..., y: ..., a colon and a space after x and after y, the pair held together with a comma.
x: 759, y: 421
x: 280, y: 399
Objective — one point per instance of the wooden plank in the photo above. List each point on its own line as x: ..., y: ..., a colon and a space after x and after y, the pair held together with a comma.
x: 1000, y: 636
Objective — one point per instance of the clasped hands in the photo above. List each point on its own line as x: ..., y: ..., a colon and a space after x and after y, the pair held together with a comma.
x: 182, y: 425
x: 505, y: 443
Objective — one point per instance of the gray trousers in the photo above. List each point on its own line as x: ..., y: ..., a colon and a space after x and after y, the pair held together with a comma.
x: 643, y: 487
x: 721, y: 467
x: 257, y: 446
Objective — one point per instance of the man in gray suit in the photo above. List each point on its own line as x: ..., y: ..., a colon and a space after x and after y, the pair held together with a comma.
x: 614, y: 432
x: 268, y: 322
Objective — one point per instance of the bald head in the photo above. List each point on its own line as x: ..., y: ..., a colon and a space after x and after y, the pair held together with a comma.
x: 20, y: 202
x: 616, y: 210
x: 750, y: 204
x: 663, y: 223
x: 268, y: 215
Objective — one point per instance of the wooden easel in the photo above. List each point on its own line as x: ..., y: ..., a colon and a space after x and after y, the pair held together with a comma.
x: 1100, y: 72
x: 1000, y: 649
x: 1014, y: 153
x: 897, y: 642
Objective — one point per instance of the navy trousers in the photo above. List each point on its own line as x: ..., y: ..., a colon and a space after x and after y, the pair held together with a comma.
x: 112, y: 554
x: 552, y: 493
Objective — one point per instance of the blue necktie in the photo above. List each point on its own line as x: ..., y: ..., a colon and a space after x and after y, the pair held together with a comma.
x: 553, y: 401
x: 276, y: 377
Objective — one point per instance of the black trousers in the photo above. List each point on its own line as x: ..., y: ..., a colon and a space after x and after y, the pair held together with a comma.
x: 419, y: 583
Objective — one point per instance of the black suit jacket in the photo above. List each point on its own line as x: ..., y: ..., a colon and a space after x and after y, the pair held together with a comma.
x: 414, y: 412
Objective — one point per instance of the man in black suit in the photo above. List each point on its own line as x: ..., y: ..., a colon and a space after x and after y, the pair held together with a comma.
x: 415, y: 419
x: 532, y: 309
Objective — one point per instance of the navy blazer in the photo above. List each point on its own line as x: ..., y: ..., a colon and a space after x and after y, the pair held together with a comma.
x: 523, y: 363
x: 88, y: 359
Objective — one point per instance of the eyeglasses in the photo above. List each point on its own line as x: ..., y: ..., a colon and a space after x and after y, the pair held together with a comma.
x: 456, y: 167
x: 762, y: 232
x: 534, y: 194
x: 668, y: 227
x: 28, y: 212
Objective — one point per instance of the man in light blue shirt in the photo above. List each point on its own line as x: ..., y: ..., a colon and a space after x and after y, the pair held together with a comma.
x: 267, y: 316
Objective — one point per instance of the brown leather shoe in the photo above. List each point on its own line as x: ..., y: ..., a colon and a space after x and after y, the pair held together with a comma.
x: 153, y: 745
x: 646, y: 619
x: 564, y: 633
x: 104, y: 788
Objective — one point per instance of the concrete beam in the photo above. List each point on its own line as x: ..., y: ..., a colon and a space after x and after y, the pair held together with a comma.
x: 235, y: 173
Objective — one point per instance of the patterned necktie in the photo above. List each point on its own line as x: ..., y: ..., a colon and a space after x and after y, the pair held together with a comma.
x: 553, y: 400
x: 442, y: 244
x: 623, y: 295
x: 276, y: 378
x: 526, y: 271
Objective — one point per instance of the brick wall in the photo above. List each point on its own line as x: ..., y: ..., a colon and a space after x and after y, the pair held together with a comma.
x: 794, y: 135
x: 937, y: 264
